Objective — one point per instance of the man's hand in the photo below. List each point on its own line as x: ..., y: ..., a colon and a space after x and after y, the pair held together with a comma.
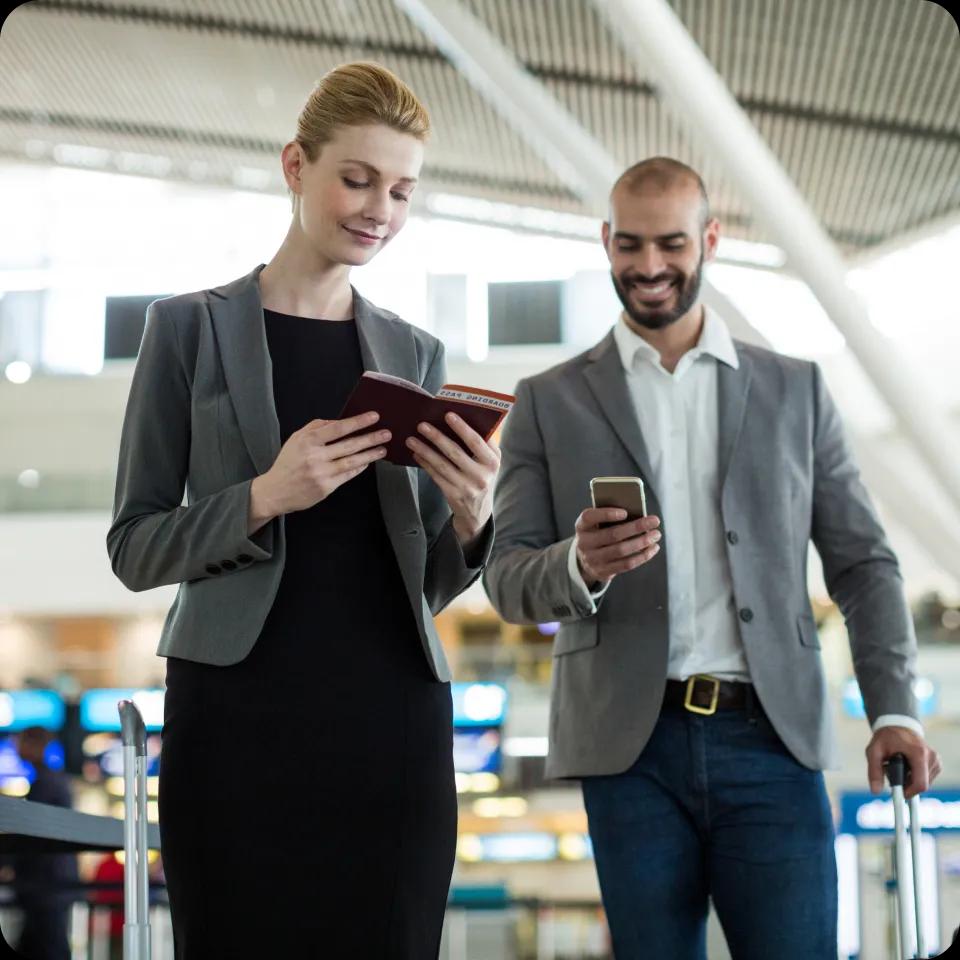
x: 602, y: 554
x: 923, y: 761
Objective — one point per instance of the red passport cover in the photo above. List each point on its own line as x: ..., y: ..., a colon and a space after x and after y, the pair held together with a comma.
x: 402, y: 405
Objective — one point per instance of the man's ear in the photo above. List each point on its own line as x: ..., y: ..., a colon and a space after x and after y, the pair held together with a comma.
x: 710, y: 239
x: 605, y: 233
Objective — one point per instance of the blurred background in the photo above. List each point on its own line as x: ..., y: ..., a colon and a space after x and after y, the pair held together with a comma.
x: 122, y: 121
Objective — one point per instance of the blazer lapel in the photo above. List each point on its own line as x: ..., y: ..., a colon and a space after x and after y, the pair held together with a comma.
x: 387, y: 346
x: 237, y: 313
x: 733, y: 386
x: 607, y: 381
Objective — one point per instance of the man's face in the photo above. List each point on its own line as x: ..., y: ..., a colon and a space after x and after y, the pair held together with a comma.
x: 657, y: 245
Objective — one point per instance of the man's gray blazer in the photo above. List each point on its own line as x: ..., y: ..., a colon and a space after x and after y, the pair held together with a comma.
x: 786, y: 477
x: 201, y: 416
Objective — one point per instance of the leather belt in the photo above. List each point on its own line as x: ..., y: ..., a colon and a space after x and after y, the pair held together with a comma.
x: 706, y: 695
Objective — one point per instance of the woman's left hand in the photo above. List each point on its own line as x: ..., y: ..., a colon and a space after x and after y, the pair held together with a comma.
x: 465, y: 479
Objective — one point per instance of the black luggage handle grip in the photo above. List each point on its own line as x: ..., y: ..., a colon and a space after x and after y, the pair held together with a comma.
x: 897, y: 770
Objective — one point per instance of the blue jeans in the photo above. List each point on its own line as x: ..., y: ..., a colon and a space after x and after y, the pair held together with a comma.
x: 715, y: 808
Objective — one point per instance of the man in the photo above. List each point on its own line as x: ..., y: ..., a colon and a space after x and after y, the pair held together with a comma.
x: 43, y: 881
x: 688, y: 692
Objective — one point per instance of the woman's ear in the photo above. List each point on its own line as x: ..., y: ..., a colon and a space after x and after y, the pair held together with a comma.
x: 292, y: 160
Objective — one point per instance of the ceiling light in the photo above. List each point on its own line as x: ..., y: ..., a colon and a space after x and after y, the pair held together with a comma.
x: 29, y: 478
x: 18, y: 371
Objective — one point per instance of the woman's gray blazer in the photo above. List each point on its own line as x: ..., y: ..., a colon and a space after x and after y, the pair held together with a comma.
x: 201, y: 419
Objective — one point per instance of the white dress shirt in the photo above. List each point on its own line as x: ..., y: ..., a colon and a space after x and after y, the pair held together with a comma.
x: 678, y: 417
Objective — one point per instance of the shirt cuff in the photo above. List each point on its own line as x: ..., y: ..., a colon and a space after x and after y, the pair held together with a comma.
x: 576, y: 578
x: 898, y: 720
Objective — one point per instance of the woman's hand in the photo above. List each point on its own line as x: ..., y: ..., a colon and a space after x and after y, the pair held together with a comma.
x: 312, y: 464
x: 465, y: 479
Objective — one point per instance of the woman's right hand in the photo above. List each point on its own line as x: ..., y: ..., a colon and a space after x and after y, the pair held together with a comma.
x: 313, y: 462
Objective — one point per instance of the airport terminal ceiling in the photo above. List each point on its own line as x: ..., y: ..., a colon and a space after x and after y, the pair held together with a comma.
x: 858, y: 99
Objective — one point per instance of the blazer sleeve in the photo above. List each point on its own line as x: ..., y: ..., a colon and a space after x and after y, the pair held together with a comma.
x: 449, y: 570
x: 154, y: 539
x: 860, y: 569
x: 528, y: 576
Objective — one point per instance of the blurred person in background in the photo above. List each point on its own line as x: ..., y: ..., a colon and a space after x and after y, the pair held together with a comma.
x: 307, y: 797
x: 688, y: 690
x: 45, y: 883
x: 106, y: 914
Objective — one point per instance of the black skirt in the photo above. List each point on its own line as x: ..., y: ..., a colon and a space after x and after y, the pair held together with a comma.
x: 307, y: 798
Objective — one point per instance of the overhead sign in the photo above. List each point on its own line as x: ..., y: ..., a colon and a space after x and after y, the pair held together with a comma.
x: 864, y: 813
x: 478, y: 704
x: 98, y: 708
x: 20, y: 709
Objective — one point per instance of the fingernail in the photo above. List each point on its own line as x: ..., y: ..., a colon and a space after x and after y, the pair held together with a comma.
x: 452, y: 418
x: 411, y: 442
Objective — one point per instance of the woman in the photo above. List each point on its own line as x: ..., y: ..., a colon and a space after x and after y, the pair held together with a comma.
x: 307, y: 799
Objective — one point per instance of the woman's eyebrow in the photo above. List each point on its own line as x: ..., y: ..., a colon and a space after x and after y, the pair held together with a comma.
x: 376, y: 172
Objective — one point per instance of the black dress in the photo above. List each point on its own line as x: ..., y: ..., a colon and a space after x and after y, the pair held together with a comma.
x: 307, y: 798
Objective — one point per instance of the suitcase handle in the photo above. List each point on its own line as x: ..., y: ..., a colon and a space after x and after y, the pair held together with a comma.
x: 133, y: 732
x: 897, y: 769
x: 136, y: 902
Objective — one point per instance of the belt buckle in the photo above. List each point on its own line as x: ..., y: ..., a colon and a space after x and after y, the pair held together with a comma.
x: 715, y: 696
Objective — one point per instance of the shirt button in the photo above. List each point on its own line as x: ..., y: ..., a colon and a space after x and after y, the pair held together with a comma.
x: 746, y: 614
x: 732, y: 536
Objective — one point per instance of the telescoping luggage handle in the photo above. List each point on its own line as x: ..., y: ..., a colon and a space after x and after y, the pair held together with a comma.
x: 136, y: 921
x: 897, y: 770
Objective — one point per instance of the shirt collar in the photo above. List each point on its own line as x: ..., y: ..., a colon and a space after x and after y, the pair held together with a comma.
x: 715, y: 340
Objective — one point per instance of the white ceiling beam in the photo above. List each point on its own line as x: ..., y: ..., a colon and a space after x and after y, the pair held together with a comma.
x: 652, y: 35
x: 520, y: 99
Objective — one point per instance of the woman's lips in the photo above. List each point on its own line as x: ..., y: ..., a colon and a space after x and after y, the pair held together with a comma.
x: 366, y: 239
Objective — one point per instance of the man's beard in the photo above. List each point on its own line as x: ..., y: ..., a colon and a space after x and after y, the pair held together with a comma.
x: 687, y: 292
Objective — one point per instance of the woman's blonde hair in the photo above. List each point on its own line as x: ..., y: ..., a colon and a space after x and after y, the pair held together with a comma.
x: 356, y: 94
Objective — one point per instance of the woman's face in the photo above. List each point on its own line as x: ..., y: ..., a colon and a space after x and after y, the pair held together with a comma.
x: 355, y: 197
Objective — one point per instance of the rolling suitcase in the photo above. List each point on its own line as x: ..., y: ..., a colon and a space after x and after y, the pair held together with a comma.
x: 909, y: 912
x: 136, y: 919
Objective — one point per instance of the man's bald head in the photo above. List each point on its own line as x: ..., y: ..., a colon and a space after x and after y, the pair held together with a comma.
x: 662, y: 174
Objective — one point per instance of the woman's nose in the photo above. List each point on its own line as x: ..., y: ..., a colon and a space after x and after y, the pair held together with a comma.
x: 377, y: 207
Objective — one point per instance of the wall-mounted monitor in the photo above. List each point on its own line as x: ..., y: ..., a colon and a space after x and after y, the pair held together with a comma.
x: 123, y: 323
x: 525, y: 312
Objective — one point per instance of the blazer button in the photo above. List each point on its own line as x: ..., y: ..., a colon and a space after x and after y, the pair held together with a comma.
x: 212, y: 569
x: 746, y: 614
x: 732, y: 536
x: 244, y: 558
x: 228, y: 565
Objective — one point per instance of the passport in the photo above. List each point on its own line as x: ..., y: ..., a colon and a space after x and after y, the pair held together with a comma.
x: 402, y: 405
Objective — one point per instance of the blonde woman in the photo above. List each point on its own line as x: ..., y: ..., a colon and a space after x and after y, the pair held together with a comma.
x: 307, y: 800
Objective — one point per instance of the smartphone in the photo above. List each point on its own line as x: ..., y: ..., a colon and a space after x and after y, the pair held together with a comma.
x: 627, y: 493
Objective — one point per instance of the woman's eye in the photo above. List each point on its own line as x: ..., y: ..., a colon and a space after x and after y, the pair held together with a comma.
x: 354, y: 184
x: 400, y: 196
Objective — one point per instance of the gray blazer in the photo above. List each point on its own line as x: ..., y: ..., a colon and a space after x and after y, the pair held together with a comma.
x: 201, y: 417
x: 787, y: 477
